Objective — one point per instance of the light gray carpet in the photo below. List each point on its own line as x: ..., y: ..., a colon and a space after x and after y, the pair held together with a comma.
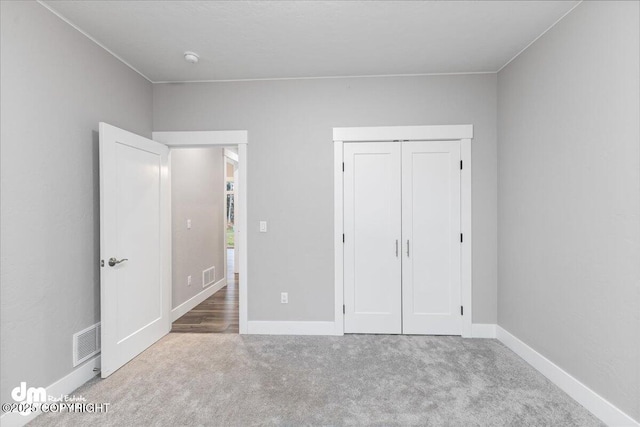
x: 200, y: 379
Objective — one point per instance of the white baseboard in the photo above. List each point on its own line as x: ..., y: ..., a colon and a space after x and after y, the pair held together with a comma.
x: 63, y: 386
x: 259, y: 327
x: 483, y: 330
x: 188, y: 305
x: 582, y: 394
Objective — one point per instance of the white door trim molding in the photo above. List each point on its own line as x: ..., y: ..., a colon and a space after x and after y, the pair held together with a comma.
x: 200, y: 138
x: 462, y: 133
x: 338, y: 242
x: 592, y: 401
x: 404, y: 133
x: 223, y: 138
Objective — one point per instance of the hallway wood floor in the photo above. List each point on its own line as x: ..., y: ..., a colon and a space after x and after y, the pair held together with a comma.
x: 218, y: 313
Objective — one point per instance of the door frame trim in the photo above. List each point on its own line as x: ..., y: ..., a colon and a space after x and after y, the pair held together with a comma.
x: 185, y: 139
x: 462, y: 133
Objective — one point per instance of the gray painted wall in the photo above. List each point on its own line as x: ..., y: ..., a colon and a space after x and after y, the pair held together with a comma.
x: 56, y: 86
x: 197, y: 193
x: 290, y: 170
x: 569, y: 198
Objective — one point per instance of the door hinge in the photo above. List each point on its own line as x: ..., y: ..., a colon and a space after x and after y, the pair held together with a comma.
x: 342, y: 237
x: 342, y: 166
x: 344, y: 310
x: 460, y: 164
x: 461, y: 238
x: 461, y: 311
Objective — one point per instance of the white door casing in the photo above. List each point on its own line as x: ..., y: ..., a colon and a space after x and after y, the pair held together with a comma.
x: 372, y: 220
x: 431, y: 297
x: 135, y: 295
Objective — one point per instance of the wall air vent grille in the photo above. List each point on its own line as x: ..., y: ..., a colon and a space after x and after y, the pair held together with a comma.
x: 86, y: 344
x: 208, y: 276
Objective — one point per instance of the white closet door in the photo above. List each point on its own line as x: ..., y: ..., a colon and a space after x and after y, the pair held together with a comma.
x: 372, y: 224
x: 431, y: 238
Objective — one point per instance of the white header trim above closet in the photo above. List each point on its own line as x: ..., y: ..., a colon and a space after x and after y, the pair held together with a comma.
x: 403, y: 133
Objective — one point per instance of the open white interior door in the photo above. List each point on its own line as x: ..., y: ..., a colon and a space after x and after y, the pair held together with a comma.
x: 135, y: 285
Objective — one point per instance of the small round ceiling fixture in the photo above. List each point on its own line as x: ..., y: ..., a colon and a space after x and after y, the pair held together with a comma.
x: 191, y: 57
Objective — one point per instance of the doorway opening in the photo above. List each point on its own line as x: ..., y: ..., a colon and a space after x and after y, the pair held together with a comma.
x: 219, y: 307
x: 204, y: 283
x: 231, y: 231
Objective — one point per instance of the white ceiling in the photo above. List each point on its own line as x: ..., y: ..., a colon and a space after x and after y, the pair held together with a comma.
x: 291, y: 39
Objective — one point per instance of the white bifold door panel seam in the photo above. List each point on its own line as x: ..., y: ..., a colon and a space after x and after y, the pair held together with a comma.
x: 402, y: 254
x: 135, y: 293
x: 372, y: 221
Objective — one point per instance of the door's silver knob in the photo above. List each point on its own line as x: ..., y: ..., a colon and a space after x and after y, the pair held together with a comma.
x: 113, y: 261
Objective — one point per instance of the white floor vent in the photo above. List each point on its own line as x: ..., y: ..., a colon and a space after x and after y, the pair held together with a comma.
x: 86, y: 344
x: 208, y: 276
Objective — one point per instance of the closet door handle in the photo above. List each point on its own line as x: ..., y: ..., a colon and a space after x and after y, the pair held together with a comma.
x: 407, y: 248
x: 396, y: 248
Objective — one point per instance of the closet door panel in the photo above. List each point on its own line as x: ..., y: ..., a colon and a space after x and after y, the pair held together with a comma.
x: 431, y: 238
x: 372, y: 221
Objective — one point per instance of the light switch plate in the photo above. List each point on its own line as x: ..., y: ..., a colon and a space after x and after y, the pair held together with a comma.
x: 284, y: 298
x: 263, y: 226
x: 188, y: 224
